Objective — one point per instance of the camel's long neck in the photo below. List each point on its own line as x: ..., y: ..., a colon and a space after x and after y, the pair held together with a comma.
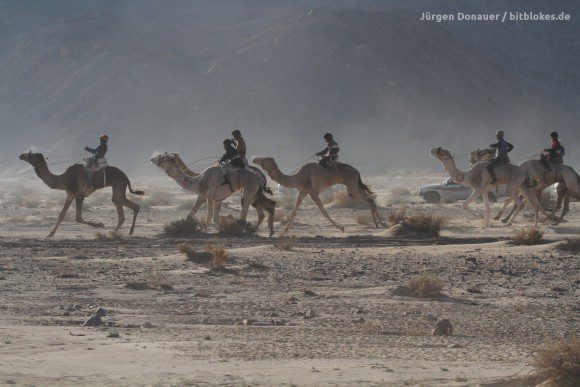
x: 282, y: 179
x: 451, y: 168
x: 184, y: 180
x: 50, y: 179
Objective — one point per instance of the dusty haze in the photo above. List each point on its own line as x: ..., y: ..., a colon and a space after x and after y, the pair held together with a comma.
x: 179, y: 76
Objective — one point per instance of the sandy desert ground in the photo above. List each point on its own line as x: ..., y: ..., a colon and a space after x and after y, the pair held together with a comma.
x: 321, y: 313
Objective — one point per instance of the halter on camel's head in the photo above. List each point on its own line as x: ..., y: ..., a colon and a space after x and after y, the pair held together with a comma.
x: 32, y: 158
x: 441, y: 154
x: 263, y: 160
x: 163, y: 158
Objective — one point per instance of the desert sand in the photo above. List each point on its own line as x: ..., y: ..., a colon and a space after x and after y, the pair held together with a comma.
x: 320, y: 313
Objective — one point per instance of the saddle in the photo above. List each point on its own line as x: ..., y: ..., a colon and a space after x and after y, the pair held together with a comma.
x: 92, y: 165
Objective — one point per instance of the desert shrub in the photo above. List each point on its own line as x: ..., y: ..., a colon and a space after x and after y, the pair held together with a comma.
x: 572, y: 244
x: 342, y: 200
x: 527, y: 236
x: 194, y: 255
x: 182, y: 228
x: 285, y: 243
x: 155, y: 280
x: 425, y: 286
x: 109, y: 236
x: 397, y: 216
x: 424, y: 223
x: 559, y: 363
x: 219, y: 255
x: 397, y: 192
x: 230, y: 226
x: 363, y: 219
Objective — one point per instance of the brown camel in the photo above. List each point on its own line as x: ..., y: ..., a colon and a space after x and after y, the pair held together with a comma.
x: 312, y: 179
x: 74, y: 181
x: 479, y: 180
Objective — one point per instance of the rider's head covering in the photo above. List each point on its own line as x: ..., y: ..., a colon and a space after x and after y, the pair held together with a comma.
x: 236, y: 133
x: 328, y: 136
x: 227, y: 142
x: 499, y: 133
x: 554, y: 134
x: 104, y: 138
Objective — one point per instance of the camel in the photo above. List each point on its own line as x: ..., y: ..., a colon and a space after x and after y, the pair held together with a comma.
x: 479, y: 180
x: 208, y: 187
x: 74, y: 181
x: 539, y: 179
x: 312, y: 179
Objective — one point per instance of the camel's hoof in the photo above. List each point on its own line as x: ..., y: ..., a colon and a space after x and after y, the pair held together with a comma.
x: 554, y: 224
x: 100, y: 225
x: 496, y: 218
x: 50, y: 235
x: 271, y: 232
x: 341, y: 228
x: 504, y: 221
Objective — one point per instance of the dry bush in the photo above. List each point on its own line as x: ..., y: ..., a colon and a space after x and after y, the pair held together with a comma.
x: 396, y: 217
x: 30, y: 201
x: 109, y: 236
x: 425, y: 286
x: 194, y: 255
x: 342, y: 200
x: 424, y: 223
x: 230, y: 226
x: 158, y: 281
x: 182, y: 228
x: 527, y: 236
x: 219, y: 255
x: 572, y: 244
x: 363, y: 219
x: 559, y: 363
x: 285, y: 243
x: 397, y: 192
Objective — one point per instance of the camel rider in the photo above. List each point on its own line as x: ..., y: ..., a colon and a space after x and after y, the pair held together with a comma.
x: 501, y: 155
x: 553, y: 155
x: 98, y: 153
x: 238, y: 140
x: 329, y: 155
x: 231, y: 157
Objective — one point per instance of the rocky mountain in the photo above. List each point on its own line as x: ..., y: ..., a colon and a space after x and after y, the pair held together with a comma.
x: 179, y: 76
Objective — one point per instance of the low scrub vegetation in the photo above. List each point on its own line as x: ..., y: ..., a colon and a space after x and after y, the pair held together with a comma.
x: 155, y: 281
x: 109, y: 236
x: 285, y: 243
x: 219, y: 255
x: 425, y: 286
x: 418, y: 223
x: 363, y: 219
x: 558, y: 363
x: 182, y: 228
x: 572, y: 245
x: 397, y: 192
x: 193, y: 255
x: 230, y: 226
x: 528, y: 236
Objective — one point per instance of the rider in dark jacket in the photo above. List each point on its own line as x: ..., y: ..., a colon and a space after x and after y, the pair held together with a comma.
x: 231, y: 157
x: 98, y: 153
x: 329, y: 155
x: 501, y: 157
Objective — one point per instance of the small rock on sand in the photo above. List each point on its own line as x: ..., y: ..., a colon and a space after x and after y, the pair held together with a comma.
x: 443, y: 328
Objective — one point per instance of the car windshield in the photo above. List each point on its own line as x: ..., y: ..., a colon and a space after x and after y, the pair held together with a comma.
x: 449, y: 181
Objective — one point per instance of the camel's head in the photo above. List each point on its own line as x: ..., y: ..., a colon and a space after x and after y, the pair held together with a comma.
x: 163, y: 159
x: 35, y: 159
x: 441, y: 153
x: 264, y: 162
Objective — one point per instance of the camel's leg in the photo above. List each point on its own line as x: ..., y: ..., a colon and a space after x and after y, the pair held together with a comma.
x: 502, y: 209
x: 67, y: 203
x: 216, y: 211
x: 518, y: 203
x: 487, y: 209
x: 79, y: 213
x: 561, y: 190
x: 565, y: 209
x: 261, y: 216
x: 473, y: 197
x: 271, y: 222
x: 209, y: 215
x: 507, y: 218
x: 533, y: 199
x: 120, y: 215
x: 246, y: 203
x: 135, y: 207
x: 301, y: 196
x: 196, y: 206
x: 316, y: 200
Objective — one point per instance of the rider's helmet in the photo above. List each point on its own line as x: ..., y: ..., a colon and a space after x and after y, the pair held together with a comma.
x: 328, y: 136
x: 499, y: 134
x: 236, y: 133
x: 554, y: 134
x: 104, y: 138
x: 227, y: 142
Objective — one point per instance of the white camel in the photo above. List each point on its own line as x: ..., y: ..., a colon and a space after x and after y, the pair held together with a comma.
x: 208, y: 187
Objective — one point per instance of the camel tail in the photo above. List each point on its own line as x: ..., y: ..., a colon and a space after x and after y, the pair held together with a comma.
x: 268, y: 190
x: 268, y: 204
x: 134, y: 192
x: 366, y: 188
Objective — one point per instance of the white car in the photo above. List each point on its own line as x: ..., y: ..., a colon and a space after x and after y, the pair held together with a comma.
x: 450, y: 191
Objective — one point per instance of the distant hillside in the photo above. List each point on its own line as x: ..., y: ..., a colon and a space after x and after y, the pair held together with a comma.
x: 180, y: 76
